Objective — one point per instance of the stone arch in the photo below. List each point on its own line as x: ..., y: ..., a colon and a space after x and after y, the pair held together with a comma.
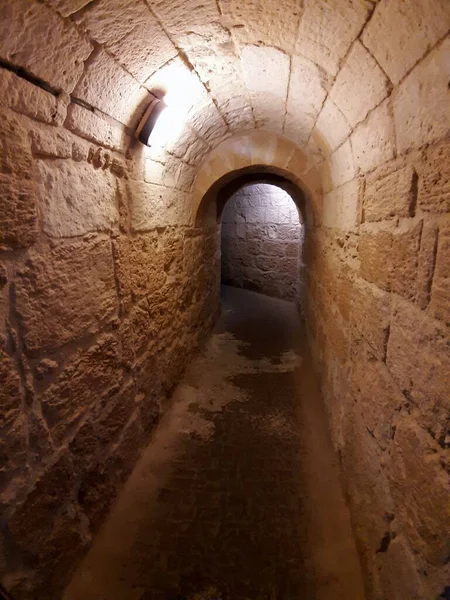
x: 253, y: 155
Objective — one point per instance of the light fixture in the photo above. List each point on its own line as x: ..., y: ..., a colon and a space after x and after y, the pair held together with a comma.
x: 150, y: 127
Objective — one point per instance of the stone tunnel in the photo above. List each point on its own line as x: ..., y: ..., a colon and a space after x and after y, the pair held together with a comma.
x: 288, y: 437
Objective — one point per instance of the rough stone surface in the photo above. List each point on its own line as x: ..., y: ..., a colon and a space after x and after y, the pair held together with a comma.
x: 434, y: 182
x: 371, y: 314
x: 25, y: 40
x: 328, y: 29
x: 418, y: 358
x: 411, y: 29
x: 332, y: 125
x: 373, y: 141
x: 24, y: 97
x: 84, y: 381
x: 306, y: 92
x: 65, y: 291
x: 261, y: 67
x: 107, y: 86
x: 341, y: 207
x: 405, y: 252
x: 439, y: 305
x: 261, y: 241
x: 76, y: 200
x: 360, y: 85
x: 144, y: 50
x: 389, y: 192
x: 340, y: 167
x: 375, y: 253
x: 420, y: 102
x: 18, y: 220
x: 276, y: 23
x: 95, y: 128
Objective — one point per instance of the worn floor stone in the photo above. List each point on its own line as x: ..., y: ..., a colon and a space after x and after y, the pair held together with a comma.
x: 237, y: 496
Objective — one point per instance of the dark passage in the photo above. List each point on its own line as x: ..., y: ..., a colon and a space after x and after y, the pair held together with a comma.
x: 238, y: 495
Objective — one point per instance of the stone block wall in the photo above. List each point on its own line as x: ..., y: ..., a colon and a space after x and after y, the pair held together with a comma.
x: 378, y: 289
x: 261, y: 241
x: 106, y: 291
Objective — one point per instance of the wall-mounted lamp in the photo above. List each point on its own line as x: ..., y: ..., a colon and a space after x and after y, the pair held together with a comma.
x: 150, y: 130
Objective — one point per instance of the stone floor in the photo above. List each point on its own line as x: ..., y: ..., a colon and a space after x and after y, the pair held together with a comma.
x: 238, y: 495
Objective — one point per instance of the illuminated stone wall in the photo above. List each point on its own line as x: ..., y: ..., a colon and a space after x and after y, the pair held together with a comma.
x: 261, y: 237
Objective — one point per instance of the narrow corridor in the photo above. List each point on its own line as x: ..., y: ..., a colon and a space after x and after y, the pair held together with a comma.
x: 237, y: 496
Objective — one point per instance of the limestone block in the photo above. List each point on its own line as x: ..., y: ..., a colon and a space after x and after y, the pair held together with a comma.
x: 237, y: 119
x: 4, y: 294
x: 114, y: 417
x: 109, y: 21
x: 427, y: 259
x: 298, y: 127
x: 65, y: 291
x: 51, y: 143
x: 405, y: 252
x: 341, y: 207
x: 194, y: 151
x: 139, y: 265
x: 14, y: 469
x: 360, y: 85
x: 154, y: 206
x: 145, y: 49
x: 389, y: 192
x: 398, y: 36
x: 370, y: 312
x: 307, y: 88
x: 434, y: 178
x: 367, y: 484
x: 84, y: 445
x: 18, y: 218
x: 398, y: 572
x: 25, y: 98
x: 201, y: 17
x: 340, y: 167
x: 375, y: 254
x: 35, y: 38
x: 87, y: 378
x: 15, y: 155
x: 32, y: 522
x: 98, y: 489
x: 216, y: 64
x: 67, y: 7
x: 261, y: 67
x: 370, y: 380
x: 421, y: 111
x: 207, y: 122
x: 416, y: 467
x: 419, y: 359
x: 373, y: 140
x: 332, y: 125
x: 10, y: 389
x: 256, y: 20
x: 327, y: 30
x: 105, y: 85
x: 96, y: 128
x: 440, y: 290
x: 76, y: 198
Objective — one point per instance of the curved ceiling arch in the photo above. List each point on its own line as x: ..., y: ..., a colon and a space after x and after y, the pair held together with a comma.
x: 257, y: 153
x: 319, y: 72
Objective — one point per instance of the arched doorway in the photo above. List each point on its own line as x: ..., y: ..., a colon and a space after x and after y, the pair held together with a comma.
x: 261, y: 237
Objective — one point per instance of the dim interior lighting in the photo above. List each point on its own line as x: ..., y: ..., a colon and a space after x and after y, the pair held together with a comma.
x: 160, y: 124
